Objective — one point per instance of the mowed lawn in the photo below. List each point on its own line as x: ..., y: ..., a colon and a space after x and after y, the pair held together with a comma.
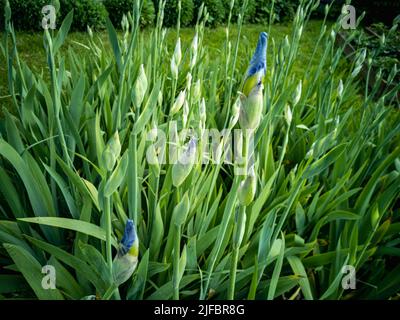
x: 31, y: 50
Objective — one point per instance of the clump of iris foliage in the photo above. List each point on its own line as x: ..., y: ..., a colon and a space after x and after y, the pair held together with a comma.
x: 73, y: 171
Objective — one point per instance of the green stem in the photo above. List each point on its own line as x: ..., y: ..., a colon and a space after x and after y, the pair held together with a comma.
x: 107, y: 212
x: 177, y: 249
x: 135, y: 192
x: 237, y: 239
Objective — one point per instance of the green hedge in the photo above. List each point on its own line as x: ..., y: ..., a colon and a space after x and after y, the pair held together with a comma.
x: 27, y: 14
x: 171, y: 12
x: 86, y: 13
x: 117, y: 8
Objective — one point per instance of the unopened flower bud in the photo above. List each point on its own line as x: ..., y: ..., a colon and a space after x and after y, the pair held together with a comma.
x: 111, y: 152
x: 197, y: 91
x: 140, y: 87
x: 174, y: 69
x: 298, y: 94
x: 178, y: 52
x: 247, y: 188
x: 340, y: 88
x: 183, y: 167
x: 178, y: 102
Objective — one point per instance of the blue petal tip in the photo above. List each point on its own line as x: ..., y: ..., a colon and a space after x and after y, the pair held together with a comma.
x: 259, y: 60
x: 129, y: 236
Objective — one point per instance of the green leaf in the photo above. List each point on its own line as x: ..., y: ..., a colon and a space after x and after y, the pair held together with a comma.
x: 10, y: 283
x: 112, y: 35
x: 117, y: 176
x: 148, y: 110
x: 298, y: 269
x: 323, y: 163
x: 72, y: 224
x: 63, y: 32
x: 79, y: 265
x: 277, y: 271
x: 32, y: 272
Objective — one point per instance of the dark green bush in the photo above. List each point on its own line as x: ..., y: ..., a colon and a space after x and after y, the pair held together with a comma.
x: 148, y: 15
x: 217, y: 11
x: 171, y: 12
x: 86, y: 13
x: 378, y: 10
x: 117, y: 8
x: 27, y: 14
x: 249, y: 14
x: 283, y: 10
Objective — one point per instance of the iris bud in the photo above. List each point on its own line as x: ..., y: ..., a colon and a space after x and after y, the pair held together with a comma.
x: 247, y: 188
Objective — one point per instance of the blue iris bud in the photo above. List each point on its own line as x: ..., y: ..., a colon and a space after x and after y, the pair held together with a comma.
x: 126, y: 260
x: 252, y: 98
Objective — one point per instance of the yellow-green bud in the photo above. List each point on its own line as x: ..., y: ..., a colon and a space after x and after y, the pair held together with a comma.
x: 178, y: 102
x: 181, y: 211
x: 297, y: 96
x: 235, y: 113
x: 251, y: 108
x: 247, y: 189
x: 197, y: 91
x: 111, y: 152
x: 140, y: 87
x: 174, y: 69
x: 177, y: 52
x: 184, y: 165
x: 340, y: 88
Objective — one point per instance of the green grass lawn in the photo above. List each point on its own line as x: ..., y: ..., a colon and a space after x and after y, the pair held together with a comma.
x: 32, y: 52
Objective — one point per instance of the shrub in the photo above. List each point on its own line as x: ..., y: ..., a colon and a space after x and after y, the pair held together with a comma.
x: 378, y: 10
x: 249, y: 14
x: 86, y: 13
x: 171, y: 12
x: 27, y: 14
x: 217, y: 11
x: 117, y: 8
x: 283, y: 10
x: 148, y: 14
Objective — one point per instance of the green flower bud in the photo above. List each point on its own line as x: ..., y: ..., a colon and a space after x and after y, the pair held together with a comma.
x: 140, y: 87
x: 340, y: 89
x: 111, y: 152
x: 297, y: 96
x: 202, y: 111
x: 235, y: 113
x: 288, y: 114
x: 197, y: 91
x: 7, y: 11
x: 247, y: 189
x: 177, y: 52
x: 174, y: 69
x: 108, y: 159
x: 185, y: 114
x: 184, y: 165
x: 181, y: 211
x: 180, y: 100
x: 188, y: 81
x: 238, y: 237
x: 251, y: 108
x: 194, y: 48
